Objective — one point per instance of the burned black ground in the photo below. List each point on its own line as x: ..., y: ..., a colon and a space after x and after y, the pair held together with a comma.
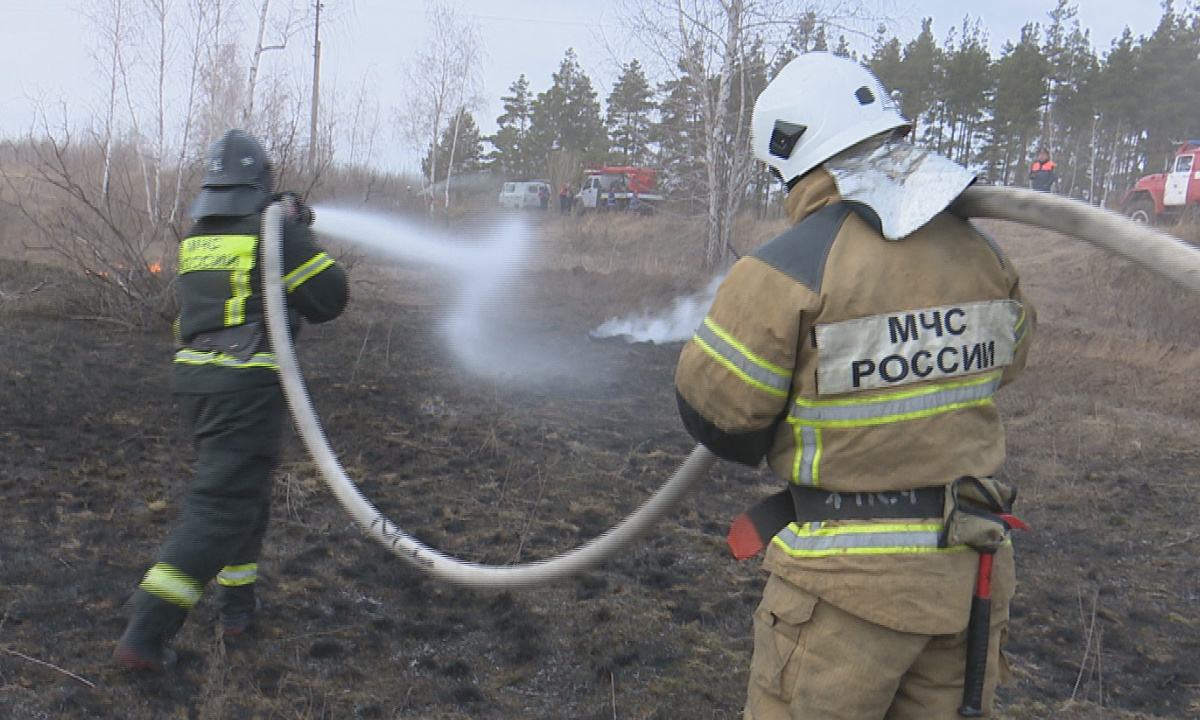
x: 92, y: 460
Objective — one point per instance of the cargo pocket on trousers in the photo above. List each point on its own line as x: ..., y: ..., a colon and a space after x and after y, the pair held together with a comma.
x: 779, y: 640
x: 1005, y: 676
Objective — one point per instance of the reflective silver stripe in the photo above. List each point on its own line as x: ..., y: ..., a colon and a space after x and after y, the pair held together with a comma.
x: 817, y: 541
x: 315, y: 264
x: 739, y: 358
x: 237, y: 575
x: 200, y: 357
x: 894, y: 408
x: 171, y: 584
x: 810, y: 444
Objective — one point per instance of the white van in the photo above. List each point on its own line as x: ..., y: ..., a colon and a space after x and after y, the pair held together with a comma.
x: 524, y: 194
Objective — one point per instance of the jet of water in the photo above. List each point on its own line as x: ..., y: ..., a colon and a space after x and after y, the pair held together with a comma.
x: 487, y: 327
x: 413, y: 241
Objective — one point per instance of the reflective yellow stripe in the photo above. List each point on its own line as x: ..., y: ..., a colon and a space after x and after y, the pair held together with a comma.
x: 226, y: 253
x: 200, y: 357
x: 238, y: 575
x: 741, y: 361
x: 815, y: 540
x: 809, y: 417
x: 234, y: 254
x: 895, y: 407
x: 808, y: 454
x: 172, y: 585
x: 315, y: 265
x: 239, y: 292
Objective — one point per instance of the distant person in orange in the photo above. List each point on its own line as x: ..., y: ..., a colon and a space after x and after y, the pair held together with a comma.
x: 1041, y: 173
x: 564, y: 199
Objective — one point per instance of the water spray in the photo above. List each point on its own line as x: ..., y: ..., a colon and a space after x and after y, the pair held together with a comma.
x: 1155, y: 250
x: 377, y: 526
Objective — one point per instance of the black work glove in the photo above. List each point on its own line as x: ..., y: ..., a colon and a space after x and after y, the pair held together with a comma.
x: 294, y: 208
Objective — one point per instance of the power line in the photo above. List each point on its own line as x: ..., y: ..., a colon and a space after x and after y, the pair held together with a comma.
x: 544, y: 21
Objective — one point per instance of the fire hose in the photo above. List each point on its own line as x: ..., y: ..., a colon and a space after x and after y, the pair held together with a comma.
x: 1157, y: 251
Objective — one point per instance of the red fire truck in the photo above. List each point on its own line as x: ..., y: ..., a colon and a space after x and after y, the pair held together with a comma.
x: 1167, y: 195
x: 627, y: 188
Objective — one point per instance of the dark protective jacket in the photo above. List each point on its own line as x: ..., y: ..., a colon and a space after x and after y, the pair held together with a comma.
x: 222, y: 326
x: 855, y: 364
x: 1042, y: 176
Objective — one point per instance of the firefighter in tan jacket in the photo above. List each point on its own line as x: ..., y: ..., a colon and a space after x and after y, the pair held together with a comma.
x: 858, y: 354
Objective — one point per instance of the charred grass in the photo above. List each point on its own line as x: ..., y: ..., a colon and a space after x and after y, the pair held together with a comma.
x: 1102, y: 439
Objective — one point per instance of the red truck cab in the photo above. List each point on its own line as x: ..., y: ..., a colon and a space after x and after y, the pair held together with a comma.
x: 630, y: 187
x: 1167, y: 194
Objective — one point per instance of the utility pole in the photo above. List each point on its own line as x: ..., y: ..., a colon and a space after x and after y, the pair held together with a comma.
x: 1092, y: 172
x: 316, y: 91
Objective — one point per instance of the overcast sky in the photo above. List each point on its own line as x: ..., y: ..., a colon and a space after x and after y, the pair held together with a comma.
x: 44, y: 53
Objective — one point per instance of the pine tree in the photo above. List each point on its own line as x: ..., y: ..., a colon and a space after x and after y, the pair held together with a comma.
x: 1020, y: 92
x: 677, y: 135
x: 967, y: 83
x: 1118, y: 106
x: 512, y: 154
x: 1166, y: 77
x: 886, y: 59
x: 629, y: 108
x: 918, y: 79
x: 567, y: 116
x: 459, y: 150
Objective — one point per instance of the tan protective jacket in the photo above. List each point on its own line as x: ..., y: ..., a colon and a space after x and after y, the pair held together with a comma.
x: 856, y: 364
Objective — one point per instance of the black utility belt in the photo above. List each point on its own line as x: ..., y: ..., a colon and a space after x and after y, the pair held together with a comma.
x: 754, y: 528
x: 240, y: 341
x: 808, y: 504
x: 811, y: 504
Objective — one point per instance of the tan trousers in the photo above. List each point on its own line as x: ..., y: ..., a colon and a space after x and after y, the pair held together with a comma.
x: 813, y: 661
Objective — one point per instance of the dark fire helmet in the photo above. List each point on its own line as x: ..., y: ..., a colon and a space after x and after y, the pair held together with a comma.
x: 238, y: 177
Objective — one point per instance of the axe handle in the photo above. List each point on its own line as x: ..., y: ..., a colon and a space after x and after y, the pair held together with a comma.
x: 979, y: 630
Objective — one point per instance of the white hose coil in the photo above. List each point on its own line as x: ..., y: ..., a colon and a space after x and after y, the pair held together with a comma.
x: 403, y: 545
x: 1155, y: 250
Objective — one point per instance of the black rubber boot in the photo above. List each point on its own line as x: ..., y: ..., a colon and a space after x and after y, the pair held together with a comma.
x: 143, y: 646
x: 238, y: 607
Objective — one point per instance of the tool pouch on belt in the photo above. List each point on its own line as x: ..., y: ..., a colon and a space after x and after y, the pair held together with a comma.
x: 973, y: 511
x: 240, y: 341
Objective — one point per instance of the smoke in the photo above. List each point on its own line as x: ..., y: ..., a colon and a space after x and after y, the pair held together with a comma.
x: 674, y: 325
x: 486, y: 326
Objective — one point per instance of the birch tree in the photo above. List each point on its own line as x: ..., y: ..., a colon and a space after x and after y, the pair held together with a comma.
x: 443, y: 78
x: 712, y: 42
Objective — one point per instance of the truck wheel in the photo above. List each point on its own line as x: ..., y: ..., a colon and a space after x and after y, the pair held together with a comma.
x: 1141, y: 211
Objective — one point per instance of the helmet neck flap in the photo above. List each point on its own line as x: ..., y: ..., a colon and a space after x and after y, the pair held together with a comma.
x: 905, y: 185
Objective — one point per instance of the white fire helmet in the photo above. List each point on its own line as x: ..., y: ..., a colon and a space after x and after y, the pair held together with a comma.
x: 817, y: 106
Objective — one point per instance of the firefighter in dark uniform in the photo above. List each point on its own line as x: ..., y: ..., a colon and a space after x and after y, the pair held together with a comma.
x: 225, y: 380
x: 858, y: 354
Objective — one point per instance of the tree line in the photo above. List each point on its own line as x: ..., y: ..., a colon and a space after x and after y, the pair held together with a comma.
x: 110, y: 194
x: 1106, y: 116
